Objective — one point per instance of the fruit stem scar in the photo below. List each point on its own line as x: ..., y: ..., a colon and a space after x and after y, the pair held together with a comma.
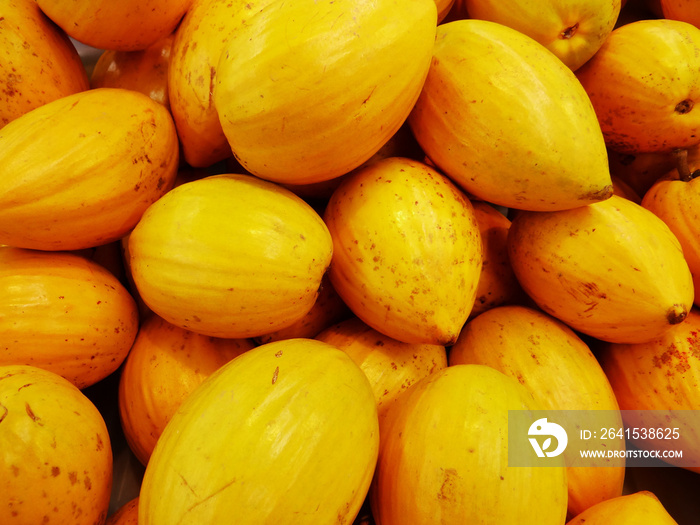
x: 569, y: 32
x: 682, y: 166
x: 684, y: 106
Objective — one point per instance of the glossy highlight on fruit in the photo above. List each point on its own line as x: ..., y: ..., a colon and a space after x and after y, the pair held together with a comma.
x: 612, y: 270
x: 407, y: 250
x: 284, y: 433
x: 80, y: 171
x: 508, y: 121
x: 230, y: 255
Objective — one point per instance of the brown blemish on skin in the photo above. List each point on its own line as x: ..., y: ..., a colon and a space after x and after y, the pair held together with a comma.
x: 447, y: 489
x: 598, y: 195
x: 275, y: 374
x: 32, y: 415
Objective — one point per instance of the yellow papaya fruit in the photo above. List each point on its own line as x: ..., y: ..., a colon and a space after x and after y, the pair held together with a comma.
x: 561, y: 372
x: 497, y: 282
x: 63, y: 313
x: 652, y: 378
x: 127, y: 514
x: 56, y: 455
x: 508, y: 121
x: 612, y: 270
x: 230, y: 256
x: 145, y: 71
x: 79, y: 172
x: 675, y: 199
x: 164, y: 365
x: 407, y: 251
x: 638, y: 507
x: 306, y: 91
x: 39, y: 63
x: 572, y: 30
x: 391, y: 366
x: 198, y: 42
x: 444, y: 456
x: 128, y: 25
x: 643, y: 83
x: 284, y: 433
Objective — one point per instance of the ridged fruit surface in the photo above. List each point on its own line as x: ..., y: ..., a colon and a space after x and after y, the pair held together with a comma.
x: 677, y: 203
x: 497, y: 282
x: 407, y: 250
x: 643, y: 83
x: 444, y: 456
x: 508, y: 121
x: 612, y: 270
x: 230, y: 256
x: 38, y: 64
x: 572, y: 30
x: 306, y: 91
x: 631, y: 509
x: 165, y: 364
x: 56, y: 455
x: 64, y: 313
x: 390, y: 365
x: 127, y: 25
x: 658, y: 376
x: 284, y: 433
x: 560, y: 371
x: 80, y: 171
x: 198, y: 42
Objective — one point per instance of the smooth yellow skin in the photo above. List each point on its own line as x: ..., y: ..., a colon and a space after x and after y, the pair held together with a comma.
x: 55, y: 453
x: 636, y: 80
x: 391, y: 366
x: 662, y: 374
x: 230, y: 256
x: 677, y: 203
x: 560, y: 371
x: 407, y: 250
x: 165, y: 364
x: 64, y: 313
x: 285, y: 433
x: 80, y: 171
x: 309, y: 90
x: 572, y: 29
x: 39, y: 63
x: 128, y: 25
x: 612, y: 270
x: 684, y: 10
x: 508, y: 121
x: 630, y: 509
x: 444, y: 456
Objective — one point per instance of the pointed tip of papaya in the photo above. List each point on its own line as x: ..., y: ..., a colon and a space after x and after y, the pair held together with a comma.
x: 676, y: 314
